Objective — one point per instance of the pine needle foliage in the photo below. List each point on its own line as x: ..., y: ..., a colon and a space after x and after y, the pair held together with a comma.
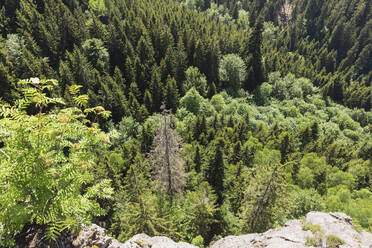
x: 138, y: 212
x: 265, y: 195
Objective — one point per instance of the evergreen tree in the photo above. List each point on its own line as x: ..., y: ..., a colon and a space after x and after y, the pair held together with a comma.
x: 255, y: 62
x: 212, y: 90
x: 156, y: 89
x: 265, y: 196
x: 215, y: 172
x: 147, y: 100
x: 171, y: 95
x: 137, y: 211
x: 197, y: 159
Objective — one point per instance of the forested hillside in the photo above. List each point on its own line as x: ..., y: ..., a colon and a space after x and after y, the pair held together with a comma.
x: 332, y: 37
x: 191, y: 119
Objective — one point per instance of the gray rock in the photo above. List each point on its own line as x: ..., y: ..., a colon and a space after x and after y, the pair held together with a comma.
x: 143, y: 240
x: 292, y: 235
x: 93, y: 235
x: 97, y: 236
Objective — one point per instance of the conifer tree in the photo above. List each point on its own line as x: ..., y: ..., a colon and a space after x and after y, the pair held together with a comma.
x: 156, y: 89
x: 255, y: 62
x: 137, y: 211
x: 130, y: 71
x: 215, y: 172
x: 168, y: 165
x: 171, y: 95
x: 181, y: 58
x: 197, y: 159
x: 265, y: 195
x: 119, y: 79
x: 147, y: 100
x: 147, y: 138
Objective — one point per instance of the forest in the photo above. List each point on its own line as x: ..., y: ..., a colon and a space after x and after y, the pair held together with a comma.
x: 191, y: 119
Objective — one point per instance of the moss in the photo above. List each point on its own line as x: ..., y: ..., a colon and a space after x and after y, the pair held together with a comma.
x: 334, y: 241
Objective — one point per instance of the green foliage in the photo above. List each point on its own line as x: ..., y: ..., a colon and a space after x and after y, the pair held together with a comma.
x: 334, y: 241
x: 318, y: 234
x: 195, y: 79
x: 199, y: 208
x: 218, y: 102
x: 171, y: 94
x: 265, y: 195
x: 232, y: 72
x: 198, y: 241
x: 305, y: 178
x: 355, y: 205
x: 317, y: 169
x: 263, y: 94
x: 137, y: 209
x: 96, y: 53
x: 47, y: 159
x: 192, y: 101
x: 337, y: 177
x: 215, y: 172
x: 97, y: 6
x: 254, y: 49
x: 304, y: 201
x: 130, y: 57
x: 15, y: 45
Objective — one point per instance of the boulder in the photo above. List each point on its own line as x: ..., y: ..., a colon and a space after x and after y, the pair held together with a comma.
x: 96, y: 237
x: 292, y: 235
x: 320, y: 226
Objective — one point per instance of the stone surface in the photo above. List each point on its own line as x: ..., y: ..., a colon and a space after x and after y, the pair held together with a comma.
x: 96, y: 236
x: 290, y: 235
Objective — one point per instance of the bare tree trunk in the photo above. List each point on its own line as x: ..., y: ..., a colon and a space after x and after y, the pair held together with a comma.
x: 169, y: 190
x: 168, y: 165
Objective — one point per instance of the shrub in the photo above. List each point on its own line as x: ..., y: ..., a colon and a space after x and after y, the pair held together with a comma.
x: 46, y: 166
x: 198, y: 241
x: 334, y: 241
x: 318, y: 234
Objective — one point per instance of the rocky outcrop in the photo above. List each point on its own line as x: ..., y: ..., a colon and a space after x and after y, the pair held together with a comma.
x: 96, y: 237
x: 292, y: 235
x: 326, y: 230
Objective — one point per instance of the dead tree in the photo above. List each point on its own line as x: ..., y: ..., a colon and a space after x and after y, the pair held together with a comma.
x: 168, y: 165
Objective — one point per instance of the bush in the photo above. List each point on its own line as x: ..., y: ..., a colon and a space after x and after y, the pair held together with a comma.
x: 334, y: 241
x: 198, y: 241
x: 318, y: 233
x: 46, y: 164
